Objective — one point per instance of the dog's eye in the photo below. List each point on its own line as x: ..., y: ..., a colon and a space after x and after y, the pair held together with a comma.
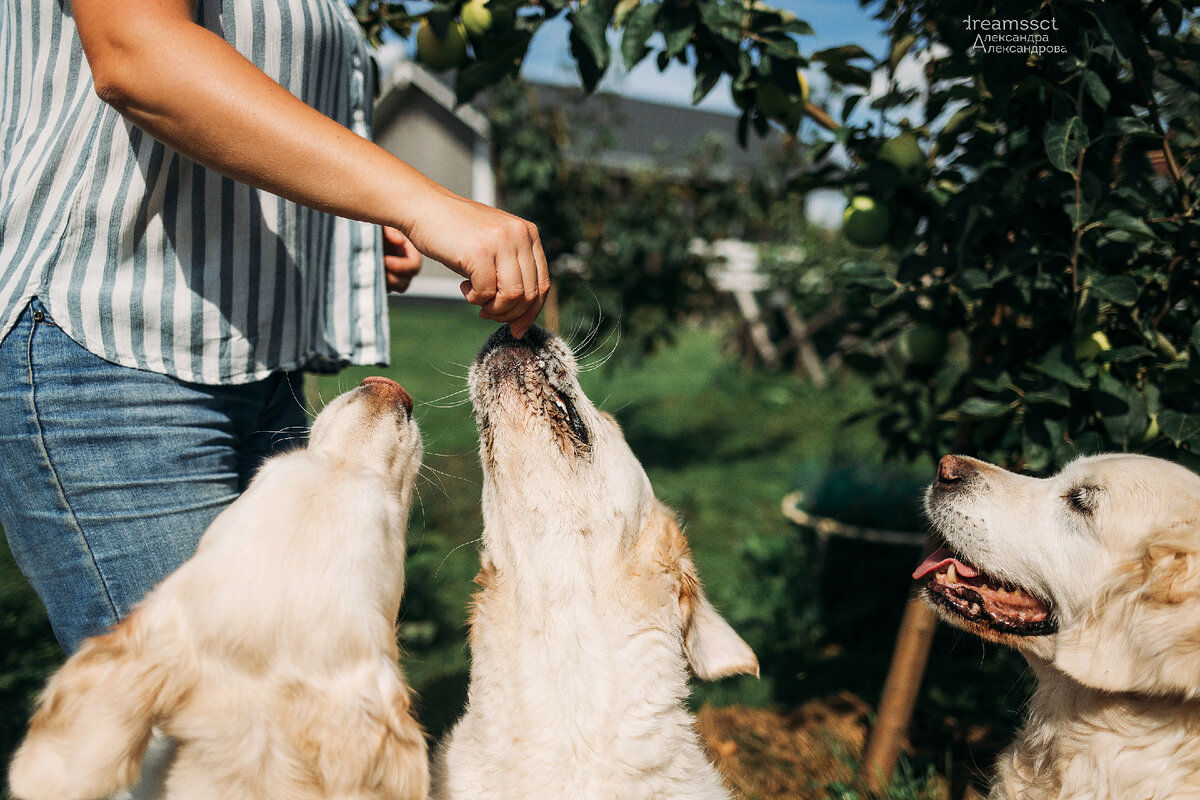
x: 1083, y: 499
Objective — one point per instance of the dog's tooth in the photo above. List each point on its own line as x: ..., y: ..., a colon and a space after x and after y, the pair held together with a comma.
x: 952, y: 574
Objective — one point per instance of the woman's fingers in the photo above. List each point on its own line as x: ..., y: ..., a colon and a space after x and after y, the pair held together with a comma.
x: 499, y: 254
x: 401, y: 261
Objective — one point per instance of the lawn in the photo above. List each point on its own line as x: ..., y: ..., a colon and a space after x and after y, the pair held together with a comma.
x: 722, y: 445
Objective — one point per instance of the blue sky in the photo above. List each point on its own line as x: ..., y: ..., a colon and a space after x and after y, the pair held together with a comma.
x: 835, y: 22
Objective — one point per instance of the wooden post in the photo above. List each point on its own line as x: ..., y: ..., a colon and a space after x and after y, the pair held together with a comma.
x: 899, y: 697
x: 551, y: 318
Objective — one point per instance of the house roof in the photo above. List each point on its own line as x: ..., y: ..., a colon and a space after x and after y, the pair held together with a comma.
x: 617, y: 132
x: 405, y: 76
x: 629, y: 134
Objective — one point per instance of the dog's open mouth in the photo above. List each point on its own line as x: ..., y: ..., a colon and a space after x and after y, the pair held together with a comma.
x: 570, y: 415
x: 960, y: 587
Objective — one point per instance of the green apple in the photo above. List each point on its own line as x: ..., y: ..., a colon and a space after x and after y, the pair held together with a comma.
x: 479, y: 18
x: 1152, y: 431
x: 442, y: 54
x: 905, y: 153
x: 1088, y: 347
x: 865, y: 222
x: 923, y: 345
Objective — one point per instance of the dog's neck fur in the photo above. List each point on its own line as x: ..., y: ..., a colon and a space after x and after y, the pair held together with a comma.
x: 575, y: 691
x: 1077, y: 740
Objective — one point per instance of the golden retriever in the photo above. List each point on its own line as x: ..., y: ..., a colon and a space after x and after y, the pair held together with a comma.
x: 1094, y: 576
x: 269, y: 657
x: 590, y: 611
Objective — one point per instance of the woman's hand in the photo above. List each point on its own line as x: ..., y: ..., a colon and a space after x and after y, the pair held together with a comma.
x: 500, y: 256
x: 401, y: 261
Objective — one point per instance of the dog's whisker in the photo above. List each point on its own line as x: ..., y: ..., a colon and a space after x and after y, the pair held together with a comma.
x: 589, y: 366
x: 477, y: 540
x: 464, y: 479
x: 303, y: 401
x: 436, y: 483
x: 590, y: 340
x: 441, y: 403
x: 456, y: 392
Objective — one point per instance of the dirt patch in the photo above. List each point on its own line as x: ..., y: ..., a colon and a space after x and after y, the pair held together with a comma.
x: 809, y: 753
x: 766, y: 754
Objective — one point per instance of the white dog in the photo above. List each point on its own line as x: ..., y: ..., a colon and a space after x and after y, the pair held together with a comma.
x: 270, y: 656
x: 590, y: 611
x: 1093, y: 575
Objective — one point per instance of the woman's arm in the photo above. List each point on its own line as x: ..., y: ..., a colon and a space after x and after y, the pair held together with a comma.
x: 193, y: 91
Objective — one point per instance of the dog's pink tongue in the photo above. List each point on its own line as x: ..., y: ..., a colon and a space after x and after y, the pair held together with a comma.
x: 940, y: 558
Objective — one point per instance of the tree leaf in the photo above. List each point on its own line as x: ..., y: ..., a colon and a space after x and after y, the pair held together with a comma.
x: 1177, y: 426
x: 840, y: 55
x: 900, y: 48
x: 1064, y: 140
x: 1059, y: 363
x: 847, y: 74
x: 589, y: 43
x: 1122, y: 410
x: 678, y: 25
x: 639, y: 27
x: 624, y: 9
x: 1119, y: 289
x: 707, y: 75
x: 1096, y: 89
x: 1127, y: 222
x: 983, y: 408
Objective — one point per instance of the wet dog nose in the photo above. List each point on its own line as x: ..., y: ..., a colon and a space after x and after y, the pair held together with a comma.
x: 953, y: 471
x: 391, y: 390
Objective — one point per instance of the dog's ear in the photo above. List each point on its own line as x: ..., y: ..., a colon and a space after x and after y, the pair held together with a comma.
x: 1143, y: 632
x: 93, y: 722
x: 363, y: 735
x: 713, y: 648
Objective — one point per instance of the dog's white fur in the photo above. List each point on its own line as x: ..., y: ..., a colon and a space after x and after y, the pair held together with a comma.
x: 590, y: 611
x: 1112, y: 544
x: 270, y: 657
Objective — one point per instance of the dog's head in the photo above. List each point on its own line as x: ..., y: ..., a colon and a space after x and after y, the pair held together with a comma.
x: 560, y: 479
x: 1095, y: 569
x: 371, y: 428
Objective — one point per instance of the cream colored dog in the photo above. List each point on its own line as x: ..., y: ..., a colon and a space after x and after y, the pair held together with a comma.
x: 270, y: 656
x: 1093, y: 575
x: 590, y: 611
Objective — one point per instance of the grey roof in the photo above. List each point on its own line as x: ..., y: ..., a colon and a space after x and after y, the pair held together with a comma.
x: 629, y: 134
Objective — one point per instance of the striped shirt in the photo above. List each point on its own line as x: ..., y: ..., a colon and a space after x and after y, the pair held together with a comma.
x: 151, y: 261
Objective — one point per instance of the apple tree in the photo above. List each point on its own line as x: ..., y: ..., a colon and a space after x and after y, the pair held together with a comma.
x: 756, y: 46
x: 1045, y: 294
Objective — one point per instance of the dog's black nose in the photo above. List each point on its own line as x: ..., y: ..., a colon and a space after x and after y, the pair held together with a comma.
x: 390, y: 389
x: 954, y: 471
x: 535, y: 338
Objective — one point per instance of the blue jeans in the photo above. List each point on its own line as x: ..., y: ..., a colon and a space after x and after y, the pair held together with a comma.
x: 111, y: 474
